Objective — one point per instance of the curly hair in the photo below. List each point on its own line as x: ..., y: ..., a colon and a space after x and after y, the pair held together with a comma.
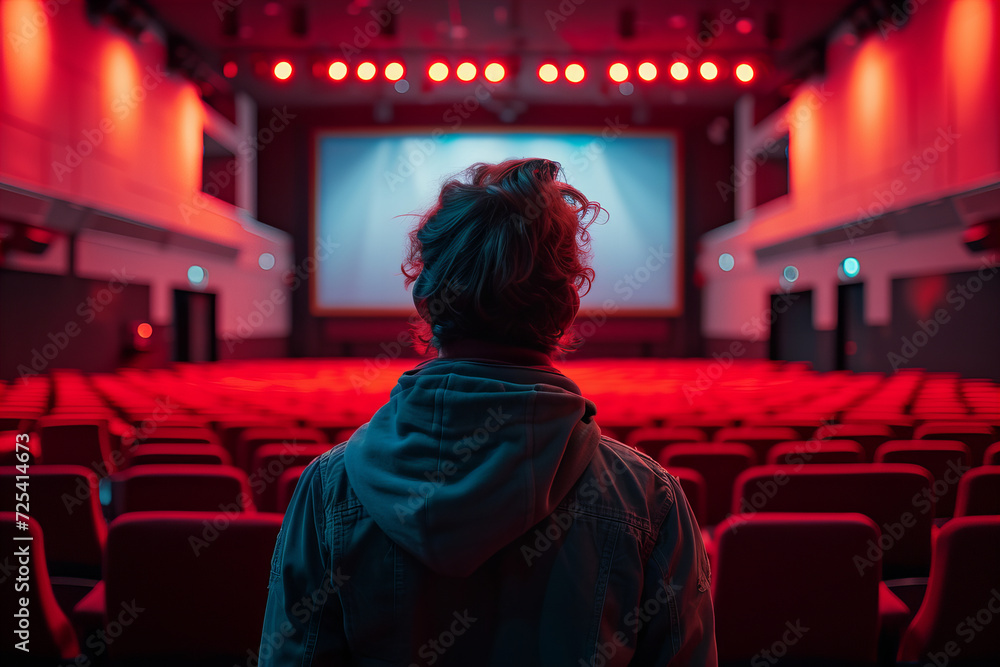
x: 503, y: 256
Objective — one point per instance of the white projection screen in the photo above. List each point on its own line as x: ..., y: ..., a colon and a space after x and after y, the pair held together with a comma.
x: 366, y: 182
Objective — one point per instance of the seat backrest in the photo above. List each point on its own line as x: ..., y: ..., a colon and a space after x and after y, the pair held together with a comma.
x: 977, y: 436
x: 202, y: 588
x: 77, y: 442
x: 803, y: 426
x: 801, y: 452
x: 287, y: 483
x: 710, y: 424
x: 170, y: 452
x: 758, y: 438
x: 14, y: 447
x: 979, y: 492
x: 652, y: 440
x: 869, y: 436
x: 963, y: 595
x: 719, y: 463
x: 252, y: 438
x: 790, y: 579
x: 896, y: 496
x: 899, y: 424
x: 49, y: 633
x: 171, y: 434
x: 693, y: 485
x: 64, y: 500
x: 991, y: 456
x: 269, y: 462
x: 183, y: 487
x: 945, y: 460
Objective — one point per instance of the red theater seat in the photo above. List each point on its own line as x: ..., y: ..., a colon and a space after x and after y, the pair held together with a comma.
x: 896, y: 496
x: 758, y: 438
x: 869, y: 436
x: 64, y: 501
x: 652, y: 440
x: 708, y: 424
x: 720, y: 464
x: 252, y: 438
x: 803, y: 426
x: 11, y: 454
x: 991, y: 456
x: 174, y: 453
x: 184, y: 487
x: 962, y: 604
x: 286, y: 487
x: 801, y: 452
x: 50, y: 635
x: 899, y: 425
x: 270, y: 462
x: 693, y: 485
x: 77, y: 442
x: 231, y: 427
x: 977, y: 436
x: 336, y: 429
x: 945, y: 460
x: 979, y: 492
x: 202, y: 588
x: 785, y: 587
x: 173, y: 434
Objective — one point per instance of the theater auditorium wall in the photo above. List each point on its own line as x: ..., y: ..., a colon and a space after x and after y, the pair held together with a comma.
x: 102, y: 146
x: 893, y: 152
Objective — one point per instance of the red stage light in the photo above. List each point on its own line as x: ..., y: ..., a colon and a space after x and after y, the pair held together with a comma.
x: 575, y: 73
x: 394, y: 71
x: 230, y: 69
x: 337, y: 70
x: 744, y: 72
x: 647, y: 71
x: 144, y: 330
x: 708, y: 70
x: 548, y: 73
x: 438, y: 71
x: 367, y: 71
x: 744, y: 26
x: 495, y: 72
x: 679, y: 71
x: 466, y: 71
x: 282, y: 70
x: 618, y: 72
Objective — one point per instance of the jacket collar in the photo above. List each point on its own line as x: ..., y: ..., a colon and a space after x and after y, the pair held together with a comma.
x: 490, y: 351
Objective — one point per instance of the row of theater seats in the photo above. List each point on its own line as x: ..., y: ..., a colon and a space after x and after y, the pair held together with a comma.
x: 857, y: 489
x: 895, y: 501
x: 183, y: 589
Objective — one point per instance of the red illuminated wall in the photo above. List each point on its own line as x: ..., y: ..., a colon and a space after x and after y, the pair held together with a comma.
x: 91, y: 116
x: 900, y: 118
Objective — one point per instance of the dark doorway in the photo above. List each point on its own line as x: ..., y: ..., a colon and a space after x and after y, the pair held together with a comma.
x: 947, y: 323
x: 793, y: 337
x: 194, y: 326
x: 853, y: 349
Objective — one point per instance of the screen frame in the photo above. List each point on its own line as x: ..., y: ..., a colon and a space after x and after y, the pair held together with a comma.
x: 317, y: 134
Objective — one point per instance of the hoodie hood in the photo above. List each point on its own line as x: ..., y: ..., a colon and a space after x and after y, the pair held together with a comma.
x: 468, y: 455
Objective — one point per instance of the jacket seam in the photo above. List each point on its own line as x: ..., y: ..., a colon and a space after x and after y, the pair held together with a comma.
x: 635, y: 522
x: 602, y: 584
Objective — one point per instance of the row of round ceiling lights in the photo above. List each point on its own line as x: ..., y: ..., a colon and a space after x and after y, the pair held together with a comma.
x: 495, y: 72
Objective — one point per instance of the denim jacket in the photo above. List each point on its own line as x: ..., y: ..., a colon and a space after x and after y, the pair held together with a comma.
x: 480, y: 518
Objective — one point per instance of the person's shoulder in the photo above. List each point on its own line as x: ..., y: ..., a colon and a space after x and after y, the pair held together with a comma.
x: 327, y: 474
x: 641, y: 466
x: 624, y: 482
